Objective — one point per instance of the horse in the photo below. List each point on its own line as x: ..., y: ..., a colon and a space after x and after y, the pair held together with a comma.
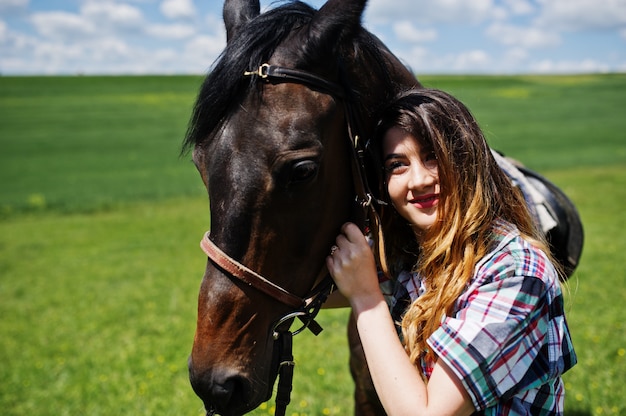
x: 269, y: 138
x: 278, y: 134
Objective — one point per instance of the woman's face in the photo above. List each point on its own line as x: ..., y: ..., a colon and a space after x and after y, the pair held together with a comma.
x: 412, y: 178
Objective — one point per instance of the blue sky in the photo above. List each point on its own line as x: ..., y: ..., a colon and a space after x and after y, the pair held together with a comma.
x: 432, y: 36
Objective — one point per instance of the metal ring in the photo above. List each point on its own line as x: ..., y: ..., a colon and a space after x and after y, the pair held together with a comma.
x: 292, y: 315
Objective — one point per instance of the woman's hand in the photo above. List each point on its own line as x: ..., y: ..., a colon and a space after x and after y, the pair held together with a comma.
x: 352, y: 265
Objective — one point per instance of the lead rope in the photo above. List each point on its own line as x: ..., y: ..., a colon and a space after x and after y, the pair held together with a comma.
x: 285, y: 373
x: 284, y: 338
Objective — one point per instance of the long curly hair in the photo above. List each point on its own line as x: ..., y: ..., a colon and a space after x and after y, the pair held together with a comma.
x: 474, y: 193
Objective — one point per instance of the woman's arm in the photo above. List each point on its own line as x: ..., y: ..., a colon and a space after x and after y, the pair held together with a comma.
x: 398, y: 383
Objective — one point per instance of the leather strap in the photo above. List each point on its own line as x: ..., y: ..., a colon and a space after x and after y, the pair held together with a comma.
x: 285, y: 374
x: 281, y: 74
x: 249, y: 277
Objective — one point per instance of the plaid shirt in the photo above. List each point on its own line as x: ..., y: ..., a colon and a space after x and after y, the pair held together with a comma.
x: 507, y: 340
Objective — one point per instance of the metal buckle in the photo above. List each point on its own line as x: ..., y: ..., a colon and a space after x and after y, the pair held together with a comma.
x: 261, y: 72
x: 364, y: 202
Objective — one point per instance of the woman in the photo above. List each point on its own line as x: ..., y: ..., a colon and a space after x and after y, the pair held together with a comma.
x: 475, y: 294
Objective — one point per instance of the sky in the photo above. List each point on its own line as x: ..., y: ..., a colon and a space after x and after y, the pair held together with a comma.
x: 51, y: 37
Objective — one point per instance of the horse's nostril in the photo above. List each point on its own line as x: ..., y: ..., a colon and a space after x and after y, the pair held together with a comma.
x: 221, y: 393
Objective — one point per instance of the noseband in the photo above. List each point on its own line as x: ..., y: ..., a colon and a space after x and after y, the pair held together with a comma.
x: 306, y: 308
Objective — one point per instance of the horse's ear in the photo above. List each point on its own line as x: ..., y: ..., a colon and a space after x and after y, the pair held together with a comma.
x: 337, y: 19
x: 237, y: 13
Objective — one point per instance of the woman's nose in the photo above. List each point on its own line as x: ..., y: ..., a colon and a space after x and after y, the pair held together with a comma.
x: 421, y: 176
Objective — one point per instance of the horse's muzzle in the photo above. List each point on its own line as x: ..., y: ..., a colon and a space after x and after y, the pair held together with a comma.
x: 222, y: 392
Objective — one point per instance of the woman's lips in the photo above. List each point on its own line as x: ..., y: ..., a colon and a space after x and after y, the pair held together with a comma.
x: 425, y: 201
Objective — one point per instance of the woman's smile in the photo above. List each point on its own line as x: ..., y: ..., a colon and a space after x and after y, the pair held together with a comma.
x: 425, y: 201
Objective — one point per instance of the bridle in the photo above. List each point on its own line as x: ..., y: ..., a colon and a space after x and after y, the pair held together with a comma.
x: 306, y: 308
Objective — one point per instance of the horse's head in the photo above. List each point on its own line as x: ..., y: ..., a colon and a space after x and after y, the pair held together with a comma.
x: 275, y: 158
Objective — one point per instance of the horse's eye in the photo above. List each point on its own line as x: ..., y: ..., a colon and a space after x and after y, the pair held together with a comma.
x: 302, y: 171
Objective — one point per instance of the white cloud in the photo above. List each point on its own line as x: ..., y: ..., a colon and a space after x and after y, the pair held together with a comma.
x: 99, y: 55
x: 62, y: 25
x: 10, y: 5
x: 178, y: 31
x: 569, y: 67
x: 406, y: 31
x: 13, y: 43
x: 206, y: 47
x: 526, y: 37
x: 511, y: 61
x: 112, y: 14
x: 577, y: 15
x: 13, y: 3
x: 421, y: 61
x: 215, y: 23
x: 4, y: 31
x: 95, y: 19
x: 110, y: 37
x: 111, y: 49
x: 431, y: 12
x: 415, y: 58
x: 515, y: 56
x: 519, y: 7
x: 470, y: 60
x: 54, y: 57
x: 178, y: 9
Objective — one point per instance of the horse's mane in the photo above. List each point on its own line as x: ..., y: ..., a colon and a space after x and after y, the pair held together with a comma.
x: 224, y: 87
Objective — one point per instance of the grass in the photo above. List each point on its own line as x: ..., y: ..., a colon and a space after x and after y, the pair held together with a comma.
x: 79, y: 143
x: 549, y: 122
x: 96, y: 312
x: 99, y: 315
x: 597, y: 318
x: 100, y: 222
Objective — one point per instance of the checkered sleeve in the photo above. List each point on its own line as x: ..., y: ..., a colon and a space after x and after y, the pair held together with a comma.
x: 497, y: 341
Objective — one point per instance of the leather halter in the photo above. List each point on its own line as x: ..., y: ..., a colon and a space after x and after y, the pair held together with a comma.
x: 306, y: 308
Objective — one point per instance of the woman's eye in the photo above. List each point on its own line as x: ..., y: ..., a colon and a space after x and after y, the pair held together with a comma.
x: 395, y: 166
x: 430, y: 161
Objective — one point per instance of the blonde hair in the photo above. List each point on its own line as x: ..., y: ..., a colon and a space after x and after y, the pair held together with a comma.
x: 474, y: 193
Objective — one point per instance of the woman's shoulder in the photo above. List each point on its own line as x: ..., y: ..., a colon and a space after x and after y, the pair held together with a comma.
x: 513, y: 255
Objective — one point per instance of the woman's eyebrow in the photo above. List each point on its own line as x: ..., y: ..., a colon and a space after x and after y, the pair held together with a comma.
x: 392, y: 156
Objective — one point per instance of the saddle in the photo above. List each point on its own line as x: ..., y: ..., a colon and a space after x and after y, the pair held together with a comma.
x: 553, y: 211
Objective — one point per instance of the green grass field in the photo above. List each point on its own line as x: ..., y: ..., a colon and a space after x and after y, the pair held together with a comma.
x: 100, y: 221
